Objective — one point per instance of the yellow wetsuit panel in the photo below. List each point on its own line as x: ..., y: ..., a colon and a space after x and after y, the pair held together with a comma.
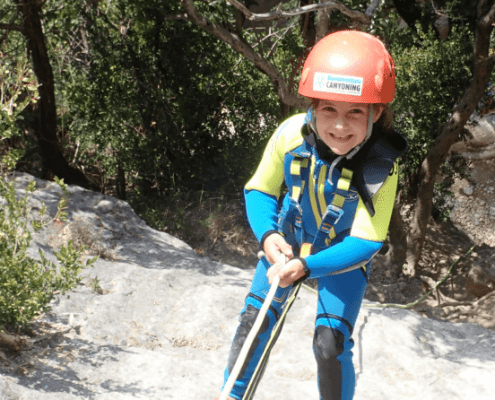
x: 269, y: 176
x: 376, y: 228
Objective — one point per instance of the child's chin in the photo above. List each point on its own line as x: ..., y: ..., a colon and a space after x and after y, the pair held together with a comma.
x: 339, y: 150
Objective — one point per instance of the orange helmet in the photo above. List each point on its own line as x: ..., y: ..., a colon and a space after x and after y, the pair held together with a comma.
x: 349, y: 66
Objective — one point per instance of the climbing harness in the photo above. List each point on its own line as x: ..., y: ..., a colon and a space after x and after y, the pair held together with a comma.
x: 326, y: 216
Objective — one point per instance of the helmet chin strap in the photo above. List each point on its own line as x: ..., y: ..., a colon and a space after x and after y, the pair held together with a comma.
x: 353, y: 152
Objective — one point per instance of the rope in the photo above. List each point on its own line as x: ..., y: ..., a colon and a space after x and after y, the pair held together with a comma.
x: 410, y: 305
x: 252, y: 335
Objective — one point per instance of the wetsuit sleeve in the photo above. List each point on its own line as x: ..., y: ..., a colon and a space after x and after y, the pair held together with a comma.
x: 351, y: 252
x: 269, y: 175
x: 262, y: 211
x: 366, y: 238
x: 263, y: 189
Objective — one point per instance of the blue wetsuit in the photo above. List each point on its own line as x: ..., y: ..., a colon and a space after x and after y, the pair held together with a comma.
x: 341, y: 264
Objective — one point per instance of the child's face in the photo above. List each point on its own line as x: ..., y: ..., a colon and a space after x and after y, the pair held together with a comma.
x: 342, y: 126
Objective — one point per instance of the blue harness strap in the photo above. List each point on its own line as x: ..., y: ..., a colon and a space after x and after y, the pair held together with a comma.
x: 292, y: 217
x: 291, y: 220
x: 326, y: 232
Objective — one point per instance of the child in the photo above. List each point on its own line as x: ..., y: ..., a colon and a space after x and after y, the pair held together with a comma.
x: 339, y: 163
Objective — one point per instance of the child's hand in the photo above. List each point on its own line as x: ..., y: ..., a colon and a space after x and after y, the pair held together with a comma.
x: 288, y: 273
x: 274, y: 245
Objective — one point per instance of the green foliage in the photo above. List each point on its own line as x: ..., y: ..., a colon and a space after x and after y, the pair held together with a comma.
x: 432, y: 75
x: 176, y: 108
x: 156, y: 93
x: 460, y: 12
x: 18, y: 88
x: 27, y: 286
x: 96, y: 284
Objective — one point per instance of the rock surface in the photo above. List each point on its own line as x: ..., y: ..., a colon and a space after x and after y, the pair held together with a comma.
x: 474, y: 197
x: 481, y: 278
x: 154, y: 321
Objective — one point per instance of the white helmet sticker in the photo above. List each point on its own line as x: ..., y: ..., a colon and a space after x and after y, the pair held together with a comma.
x: 341, y: 84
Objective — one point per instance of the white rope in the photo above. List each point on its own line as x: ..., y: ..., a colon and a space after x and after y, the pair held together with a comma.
x: 252, y: 335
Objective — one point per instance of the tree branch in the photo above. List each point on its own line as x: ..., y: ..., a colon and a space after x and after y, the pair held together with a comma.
x: 279, y: 14
x: 166, y: 17
x: 242, y: 8
x: 489, y: 17
x: 372, y: 8
x: 175, y: 17
x: 436, y: 285
x: 247, y: 51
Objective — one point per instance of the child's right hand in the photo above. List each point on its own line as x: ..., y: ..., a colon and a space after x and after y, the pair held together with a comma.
x: 274, y: 245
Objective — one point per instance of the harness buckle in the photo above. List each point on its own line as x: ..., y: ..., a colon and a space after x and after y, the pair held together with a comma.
x: 294, y: 203
x: 333, y: 212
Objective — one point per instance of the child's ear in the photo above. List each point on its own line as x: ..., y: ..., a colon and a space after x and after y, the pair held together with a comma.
x: 377, y: 111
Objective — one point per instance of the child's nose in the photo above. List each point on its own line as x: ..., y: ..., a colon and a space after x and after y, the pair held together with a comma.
x: 339, y: 123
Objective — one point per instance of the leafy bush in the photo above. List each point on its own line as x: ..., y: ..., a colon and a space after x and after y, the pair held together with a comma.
x: 161, y: 93
x: 18, y: 88
x: 432, y: 75
x: 27, y: 286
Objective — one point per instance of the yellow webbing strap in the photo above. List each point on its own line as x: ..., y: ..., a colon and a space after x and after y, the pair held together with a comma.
x: 312, y: 196
x: 343, y: 185
x: 305, y: 250
x: 331, y: 235
x: 344, y: 182
x: 338, y: 200
x: 321, y: 189
x: 297, y: 182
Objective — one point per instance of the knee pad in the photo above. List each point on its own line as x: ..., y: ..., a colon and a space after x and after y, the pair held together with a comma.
x: 334, y: 380
x: 247, y: 319
x: 328, y: 343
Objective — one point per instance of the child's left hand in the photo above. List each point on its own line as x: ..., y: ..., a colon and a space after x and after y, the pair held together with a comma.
x: 288, y: 273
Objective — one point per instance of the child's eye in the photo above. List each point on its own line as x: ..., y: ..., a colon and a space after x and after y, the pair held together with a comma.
x: 328, y: 109
x: 357, y: 111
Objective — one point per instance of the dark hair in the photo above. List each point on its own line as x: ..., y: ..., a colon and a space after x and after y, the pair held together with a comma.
x: 386, y: 120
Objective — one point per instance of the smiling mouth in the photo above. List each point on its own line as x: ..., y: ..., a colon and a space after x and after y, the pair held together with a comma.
x: 340, y: 138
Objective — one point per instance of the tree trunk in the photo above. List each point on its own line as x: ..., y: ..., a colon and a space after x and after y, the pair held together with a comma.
x: 483, y: 65
x: 322, y: 24
x: 53, y: 159
x: 121, y: 194
x: 308, y: 29
x: 396, y: 255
